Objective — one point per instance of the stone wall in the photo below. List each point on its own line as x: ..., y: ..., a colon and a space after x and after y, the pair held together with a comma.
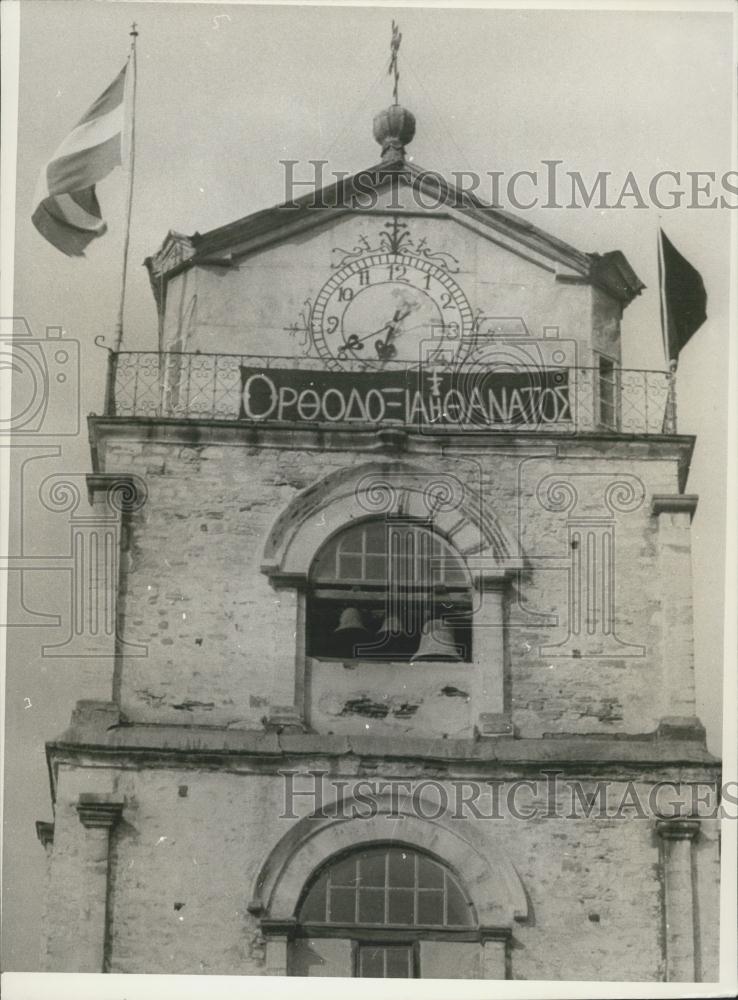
x: 220, y: 636
x: 185, y: 855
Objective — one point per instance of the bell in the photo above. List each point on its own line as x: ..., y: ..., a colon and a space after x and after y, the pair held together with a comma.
x: 393, y: 639
x: 349, y: 633
x: 437, y: 643
x: 350, y: 619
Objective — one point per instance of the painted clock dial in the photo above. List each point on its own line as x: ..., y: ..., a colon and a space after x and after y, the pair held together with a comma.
x: 386, y: 307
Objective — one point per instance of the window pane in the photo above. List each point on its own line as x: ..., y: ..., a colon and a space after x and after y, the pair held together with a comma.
x: 399, y: 963
x: 371, y: 962
x: 342, y: 907
x: 416, y: 553
x: 380, y: 886
x: 458, y: 912
x: 351, y: 541
x: 376, y: 537
x: 371, y: 906
x: 430, y: 906
x: 371, y: 869
x: 349, y: 567
x: 401, y: 867
x: 313, y: 909
x: 376, y: 568
x: 430, y: 874
x: 401, y: 906
x: 344, y: 872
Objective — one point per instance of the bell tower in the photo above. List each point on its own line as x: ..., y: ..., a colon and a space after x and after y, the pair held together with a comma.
x: 403, y: 570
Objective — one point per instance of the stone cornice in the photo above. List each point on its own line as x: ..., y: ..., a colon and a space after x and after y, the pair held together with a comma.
x: 99, y: 810
x: 124, y: 492
x: 45, y: 832
x: 505, y: 757
x: 101, y: 726
x: 277, y: 928
x: 487, y: 933
x: 677, y: 503
x: 678, y: 828
x: 205, y: 745
x: 330, y: 438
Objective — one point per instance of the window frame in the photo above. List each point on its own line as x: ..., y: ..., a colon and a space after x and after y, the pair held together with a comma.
x: 412, y: 945
x: 327, y: 928
x: 387, y: 935
x: 377, y: 595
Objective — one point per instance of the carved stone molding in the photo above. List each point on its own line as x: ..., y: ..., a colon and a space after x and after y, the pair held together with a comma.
x: 99, y: 810
x: 678, y: 503
x: 678, y: 828
x: 45, y: 832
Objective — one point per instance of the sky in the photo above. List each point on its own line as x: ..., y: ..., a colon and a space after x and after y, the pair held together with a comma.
x: 227, y: 91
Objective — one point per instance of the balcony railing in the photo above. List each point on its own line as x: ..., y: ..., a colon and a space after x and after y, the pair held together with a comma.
x: 195, y: 386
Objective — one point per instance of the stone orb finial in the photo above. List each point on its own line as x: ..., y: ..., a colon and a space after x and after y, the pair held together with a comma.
x: 394, y: 128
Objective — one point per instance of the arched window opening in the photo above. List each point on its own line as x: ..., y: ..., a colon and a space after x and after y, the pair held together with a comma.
x: 385, y: 900
x: 389, y: 589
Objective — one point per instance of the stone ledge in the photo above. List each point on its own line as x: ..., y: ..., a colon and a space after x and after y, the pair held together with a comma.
x: 492, y: 725
x: 124, y: 492
x: 99, y: 810
x: 681, y: 727
x: 101, y: 726
x: 284, y: 719
x: 45, y: 832
x: 679, y: 828
x: 677, y: 503
x: 203, y: 431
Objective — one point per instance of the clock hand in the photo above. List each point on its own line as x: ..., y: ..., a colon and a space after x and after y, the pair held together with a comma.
x: 354, y: 339
x: 355, y: 343
x: 368, y: 336
x: 384, y: 348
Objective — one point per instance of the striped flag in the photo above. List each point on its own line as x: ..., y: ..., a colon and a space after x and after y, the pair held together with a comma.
x: 67, y: 211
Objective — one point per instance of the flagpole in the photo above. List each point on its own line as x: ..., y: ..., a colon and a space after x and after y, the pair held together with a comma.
x: 129, y: 196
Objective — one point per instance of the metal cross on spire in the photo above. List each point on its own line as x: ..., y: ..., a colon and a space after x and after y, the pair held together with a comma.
x: 393, y: 67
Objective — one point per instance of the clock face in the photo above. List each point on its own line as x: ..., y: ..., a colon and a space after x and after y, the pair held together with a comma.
x: 387, y: 307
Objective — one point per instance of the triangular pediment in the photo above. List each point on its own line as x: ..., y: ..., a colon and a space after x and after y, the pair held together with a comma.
x: 402, y: 187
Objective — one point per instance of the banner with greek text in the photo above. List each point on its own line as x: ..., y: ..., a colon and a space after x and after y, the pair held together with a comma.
x: 415, y: 398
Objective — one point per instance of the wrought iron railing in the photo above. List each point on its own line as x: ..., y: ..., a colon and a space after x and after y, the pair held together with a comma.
x: 195, y: 386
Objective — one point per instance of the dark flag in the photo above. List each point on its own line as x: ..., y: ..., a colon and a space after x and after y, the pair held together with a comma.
x: 683, y: 298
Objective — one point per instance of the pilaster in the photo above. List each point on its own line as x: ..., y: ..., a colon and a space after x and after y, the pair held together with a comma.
x: 677, y: 836
x: 674, y: 514
x: 494, y: 952
x: 488, y: 653
x: 98, y: 813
